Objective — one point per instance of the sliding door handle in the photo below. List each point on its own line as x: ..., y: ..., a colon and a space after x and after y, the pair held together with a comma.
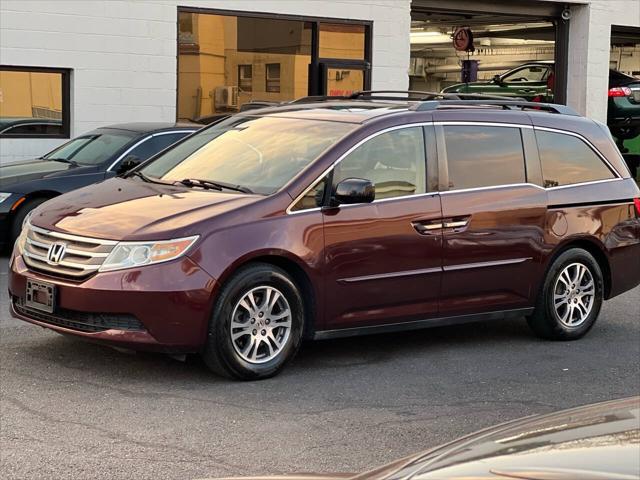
x: 427, y: 227
x: 456, y: 224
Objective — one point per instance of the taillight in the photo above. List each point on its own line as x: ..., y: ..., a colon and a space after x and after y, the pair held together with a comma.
x: 637, y: 203
x: 620, y: 92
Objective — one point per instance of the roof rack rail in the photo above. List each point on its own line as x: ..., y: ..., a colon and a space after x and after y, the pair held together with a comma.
x: 509, y: 104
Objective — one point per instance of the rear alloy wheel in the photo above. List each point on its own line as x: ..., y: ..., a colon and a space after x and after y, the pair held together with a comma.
x: 257, y: 323
x: 571, y: 297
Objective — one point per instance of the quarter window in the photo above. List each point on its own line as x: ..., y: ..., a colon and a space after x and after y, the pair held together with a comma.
x: 313, y: 198
x: 567, y: 160
x: 484, y: 156
x: 394, y: 161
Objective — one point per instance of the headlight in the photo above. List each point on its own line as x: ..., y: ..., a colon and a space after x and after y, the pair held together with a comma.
x: 137, y: 254
x: 22, y: 238
x: 4, y: 196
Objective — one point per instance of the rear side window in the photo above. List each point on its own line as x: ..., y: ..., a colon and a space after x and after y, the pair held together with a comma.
x: 484, y: 156
x: 567, y: 160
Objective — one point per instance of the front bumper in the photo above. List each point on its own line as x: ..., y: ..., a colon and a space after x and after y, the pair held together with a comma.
x: 162, y: 307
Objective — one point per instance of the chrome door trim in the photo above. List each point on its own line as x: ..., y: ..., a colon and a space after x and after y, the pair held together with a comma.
x: 141, y: 141
x: 384, y: 276
x: 496, y: 263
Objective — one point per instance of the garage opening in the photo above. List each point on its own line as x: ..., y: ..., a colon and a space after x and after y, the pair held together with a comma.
x: 468, y: 48
x: 623, y: 108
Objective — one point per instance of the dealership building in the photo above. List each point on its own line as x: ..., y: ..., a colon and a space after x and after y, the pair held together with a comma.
x: 76, y: 66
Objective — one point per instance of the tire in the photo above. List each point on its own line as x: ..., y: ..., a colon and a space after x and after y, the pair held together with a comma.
x: 24, y: 209
x: 578, y: 303
x: 275, y: 342
x: 625, y: 133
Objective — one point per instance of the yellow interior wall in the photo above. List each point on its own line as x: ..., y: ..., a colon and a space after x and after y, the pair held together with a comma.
x: 20, y: 91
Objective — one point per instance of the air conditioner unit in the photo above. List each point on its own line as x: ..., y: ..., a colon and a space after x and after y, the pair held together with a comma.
x: 225, y: 97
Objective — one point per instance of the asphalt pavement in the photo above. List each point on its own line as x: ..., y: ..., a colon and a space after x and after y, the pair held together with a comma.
x: 74, y: 410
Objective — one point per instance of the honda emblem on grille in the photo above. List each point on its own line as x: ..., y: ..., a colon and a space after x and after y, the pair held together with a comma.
x: 56, y: 253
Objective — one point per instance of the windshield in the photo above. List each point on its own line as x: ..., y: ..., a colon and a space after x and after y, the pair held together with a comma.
x: 259, y: 153
x: 91, y: 149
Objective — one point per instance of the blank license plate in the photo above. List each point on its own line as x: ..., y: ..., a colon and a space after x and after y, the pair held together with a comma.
x: 40, y: 295
x: 636, y: 95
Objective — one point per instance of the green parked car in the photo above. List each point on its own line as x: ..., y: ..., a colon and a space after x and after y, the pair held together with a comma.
x: 531, y: 81
x: 534, y: 81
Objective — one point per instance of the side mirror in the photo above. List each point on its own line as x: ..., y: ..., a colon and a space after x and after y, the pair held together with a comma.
x: 129, y: 162
x: 354, y: 190
x: 497, y: 80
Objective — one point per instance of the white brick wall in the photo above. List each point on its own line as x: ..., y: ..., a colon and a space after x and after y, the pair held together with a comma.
x: 123, y: 53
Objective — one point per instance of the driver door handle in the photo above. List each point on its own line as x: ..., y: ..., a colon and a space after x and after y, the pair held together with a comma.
x: 425, y: 227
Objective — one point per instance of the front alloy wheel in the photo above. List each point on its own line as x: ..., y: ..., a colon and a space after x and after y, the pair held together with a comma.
x: 261, y: 324
x: 257, y: 323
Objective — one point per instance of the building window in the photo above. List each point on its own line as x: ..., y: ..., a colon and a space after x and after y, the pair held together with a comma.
x: 34, y: 102
x: 245, y: 78
x: 480, y: 156
x: 272, y: 75
x: 225, y: 61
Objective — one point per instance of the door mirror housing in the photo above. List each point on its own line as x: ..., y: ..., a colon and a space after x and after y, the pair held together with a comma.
x: 497, y: 80
x: 354, y: 190
x: 129, y: 162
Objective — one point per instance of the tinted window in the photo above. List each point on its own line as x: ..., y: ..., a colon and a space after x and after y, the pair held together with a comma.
x: 153, y: 145
x: 527, y: 74
x: 393, y: 161
x: 484, y: 156
x: 260, y: 153
x: 567, y: 160
x: 92, y: 149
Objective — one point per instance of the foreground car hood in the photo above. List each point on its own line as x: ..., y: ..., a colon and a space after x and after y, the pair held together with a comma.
x: 130, y: 209
x: 595, y: 442
x: 16, y: 173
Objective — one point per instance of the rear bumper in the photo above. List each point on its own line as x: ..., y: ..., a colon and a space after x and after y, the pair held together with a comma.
x: 162, y: 307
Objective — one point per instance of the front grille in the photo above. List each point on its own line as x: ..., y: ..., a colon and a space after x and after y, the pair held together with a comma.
x: 80, y: 321
x: 83, y: 256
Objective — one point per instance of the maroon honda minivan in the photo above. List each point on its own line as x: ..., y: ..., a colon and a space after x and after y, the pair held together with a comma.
x: 329, y: 218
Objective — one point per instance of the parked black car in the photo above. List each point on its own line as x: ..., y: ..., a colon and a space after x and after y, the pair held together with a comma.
x: 87, y: 159
x: 595, y: 442
x: 18, y: 126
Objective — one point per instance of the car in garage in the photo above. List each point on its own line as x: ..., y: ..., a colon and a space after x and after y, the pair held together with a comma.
x: 334, y: 218
x: 533, y: 80
x: 594, y: 442
x: 623, y: 113
x: 89, y: 158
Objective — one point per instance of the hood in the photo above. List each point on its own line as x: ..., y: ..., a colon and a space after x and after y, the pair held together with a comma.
x: 15, y: 174
x: 595, y: 442
x: 130, y: 209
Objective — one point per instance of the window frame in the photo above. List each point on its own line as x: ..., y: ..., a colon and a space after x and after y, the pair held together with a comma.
x: 272, y: 79
x: 315, y: 86
x: 431, y: 170
x: 66, y: 99
x: 241, y: 67
x: 443, y: 159
x: 589, y: 145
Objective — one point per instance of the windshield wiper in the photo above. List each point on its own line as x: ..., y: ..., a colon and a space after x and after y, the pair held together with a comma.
x: 210, y: 184
x: 145, y: 178
x: 73, y: 163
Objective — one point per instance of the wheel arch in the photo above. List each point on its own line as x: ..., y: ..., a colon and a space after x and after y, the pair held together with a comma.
x: 293, y: 266
x: 596, y: 249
